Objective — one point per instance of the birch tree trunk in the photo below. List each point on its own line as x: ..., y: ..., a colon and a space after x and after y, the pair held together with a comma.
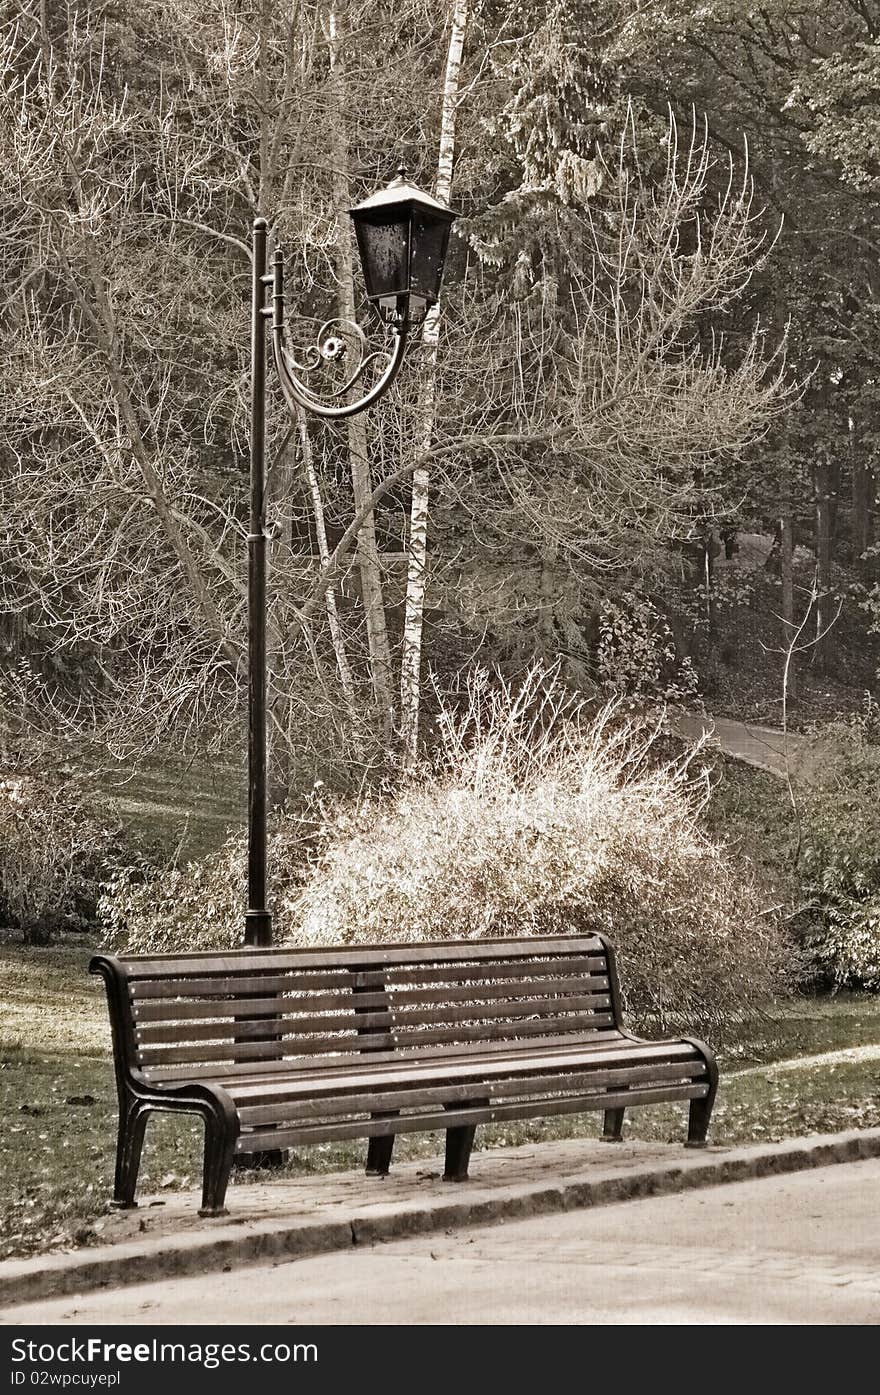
x: 336, y: 635
x: 414, y: 613
x: 367, y: 549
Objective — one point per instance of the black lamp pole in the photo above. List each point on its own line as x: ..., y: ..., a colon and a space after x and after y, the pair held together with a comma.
x: 258, y: 918
x: 402, y: 236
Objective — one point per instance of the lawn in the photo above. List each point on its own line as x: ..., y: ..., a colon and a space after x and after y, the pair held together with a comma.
x: 185, y: 807
x: 59, y: 1099
x: 750, y: 811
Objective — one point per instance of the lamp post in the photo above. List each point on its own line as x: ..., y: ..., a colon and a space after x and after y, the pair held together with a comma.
x: 402, y: 235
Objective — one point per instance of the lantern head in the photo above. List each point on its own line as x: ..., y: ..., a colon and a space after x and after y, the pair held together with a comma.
x: 402, y: 235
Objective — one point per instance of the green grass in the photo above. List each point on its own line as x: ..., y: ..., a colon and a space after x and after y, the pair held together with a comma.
x: 58, y: 1098
x: 186, y: 807
x: 750, y: 811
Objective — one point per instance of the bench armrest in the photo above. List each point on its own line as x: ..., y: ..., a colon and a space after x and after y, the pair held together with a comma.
x: 125, y: 1056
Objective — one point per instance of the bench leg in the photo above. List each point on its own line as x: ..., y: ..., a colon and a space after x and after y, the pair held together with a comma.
x: 701, y: 1109
x: 698, y: 1121
x: 612, y: 1128
x: 379, y: 1149
x: 459, y: 1142
x: 129, y: 1143
x: 219, y: 1154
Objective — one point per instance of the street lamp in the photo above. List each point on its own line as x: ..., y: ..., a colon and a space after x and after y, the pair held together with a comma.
x: 402, y: 235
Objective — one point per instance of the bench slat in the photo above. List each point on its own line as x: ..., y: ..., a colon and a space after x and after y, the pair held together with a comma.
x: 250, y: 961
x: 247, y: 1051
x: 536, y: 1058
x: 283, y: 1111
x: 292, y: 1023
x: 467, y: 1115
x: 251, y: 1051
x: 316, y: 1066
x: 220, y: 986
x: 338, y: 979
x: 499, y: 969
x: 178, y: 1009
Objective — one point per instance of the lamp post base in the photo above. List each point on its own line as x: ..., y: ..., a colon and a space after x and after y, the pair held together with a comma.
x: 258, y: 928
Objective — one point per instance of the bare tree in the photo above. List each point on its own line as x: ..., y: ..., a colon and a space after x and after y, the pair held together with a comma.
x: 601, y: 354
x: 410, y: 665
x: 573, y: 416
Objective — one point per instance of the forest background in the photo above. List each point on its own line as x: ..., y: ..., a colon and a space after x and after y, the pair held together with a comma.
x: 633, y: 460
x: 636, y: 452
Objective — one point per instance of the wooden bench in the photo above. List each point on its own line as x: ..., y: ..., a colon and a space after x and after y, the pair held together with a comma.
x: 276, y: 1048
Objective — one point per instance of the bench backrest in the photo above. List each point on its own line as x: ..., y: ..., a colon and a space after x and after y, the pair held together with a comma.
x: 249, y: 1011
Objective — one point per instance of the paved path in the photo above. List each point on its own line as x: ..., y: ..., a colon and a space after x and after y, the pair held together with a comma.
x: 844, y: 1055
x: 801, y: 1249
x: 756, y: 745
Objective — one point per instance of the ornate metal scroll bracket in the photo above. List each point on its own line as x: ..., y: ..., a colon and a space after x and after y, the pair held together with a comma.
x: 335, y: 339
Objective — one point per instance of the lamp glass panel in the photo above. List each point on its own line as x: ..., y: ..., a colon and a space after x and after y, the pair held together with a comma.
x: 416, y: 309
x: 430, y: 239
x: 384, y: 248
x: 392, y: 308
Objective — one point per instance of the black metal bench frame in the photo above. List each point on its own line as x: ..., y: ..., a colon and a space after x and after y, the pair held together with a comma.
x: 275, y: 1048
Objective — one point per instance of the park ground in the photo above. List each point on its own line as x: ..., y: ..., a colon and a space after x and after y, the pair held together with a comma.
x: 799, y: 1249
x: 808, y: 1067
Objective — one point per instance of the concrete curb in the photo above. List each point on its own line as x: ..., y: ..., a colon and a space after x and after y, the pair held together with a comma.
x: 221, y: 1245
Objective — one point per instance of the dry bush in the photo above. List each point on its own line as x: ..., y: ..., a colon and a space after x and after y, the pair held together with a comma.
x: 200, y: 905
x: 536, y: 820
x: 196, y: 906
x: 840, y: 857
x: 54, y: 854
x: 542, y: 821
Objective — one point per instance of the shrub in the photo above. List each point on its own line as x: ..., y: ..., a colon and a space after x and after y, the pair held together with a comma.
x: 637, y: 653
x: 54, y: 854
x: 535, y: 820
x: 200, y: 905
x: 196, y: 906
x: 840, y: 860
x: 540, y: 822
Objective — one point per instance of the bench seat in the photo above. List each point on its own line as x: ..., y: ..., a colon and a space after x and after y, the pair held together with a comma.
x: 284, y: 1047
